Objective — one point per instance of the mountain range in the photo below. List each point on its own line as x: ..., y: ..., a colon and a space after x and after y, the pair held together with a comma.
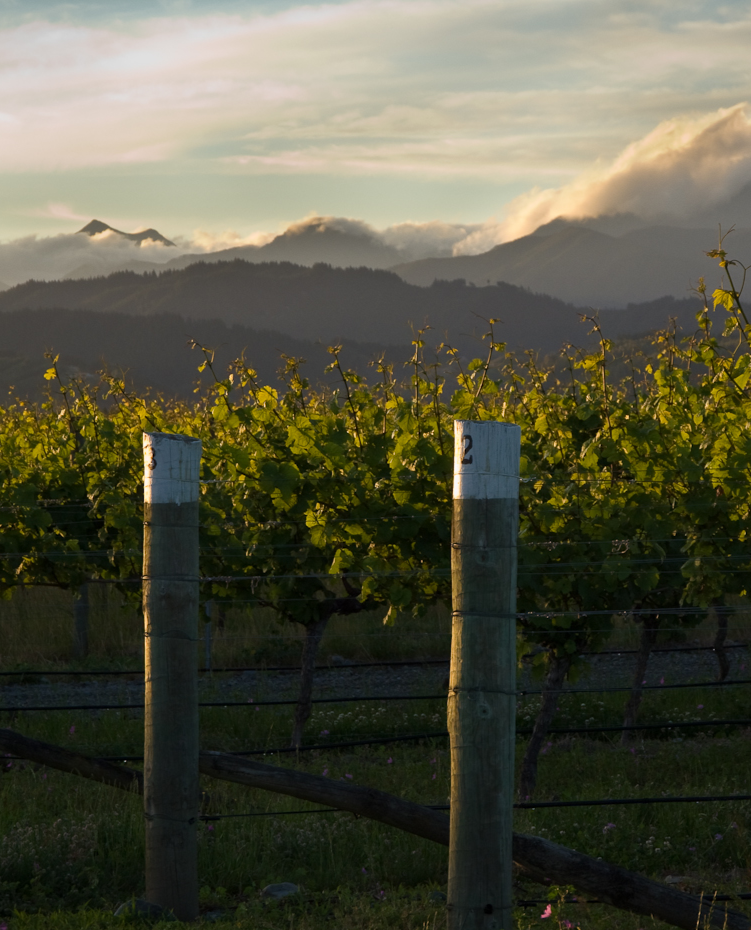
x: 341, y: 244
x: 585, y: 265
x: 142, y: 322
x: 254, y: 299
x: 604, y: 262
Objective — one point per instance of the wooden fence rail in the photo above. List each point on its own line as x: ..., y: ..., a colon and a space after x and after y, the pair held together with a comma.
x: 536, y: 858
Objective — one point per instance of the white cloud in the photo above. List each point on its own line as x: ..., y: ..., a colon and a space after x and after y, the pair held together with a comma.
x: 486, y: 89
x: 675, y: 174
x: 413, y: 240
x: 427, y: 239
x: 202, y: 240
x: 59, y: 211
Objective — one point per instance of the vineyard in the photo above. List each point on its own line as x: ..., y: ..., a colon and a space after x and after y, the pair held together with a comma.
x: 327, y: 513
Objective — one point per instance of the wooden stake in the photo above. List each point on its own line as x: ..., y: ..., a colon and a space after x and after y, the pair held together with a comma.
x: 482, y: 680
x: 207, y: 646
x: 208, y: 608
x: 81, y: 623
x: 170, y: 607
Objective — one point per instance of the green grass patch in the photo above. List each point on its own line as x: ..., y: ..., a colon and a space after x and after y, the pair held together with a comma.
x: 71, y: 850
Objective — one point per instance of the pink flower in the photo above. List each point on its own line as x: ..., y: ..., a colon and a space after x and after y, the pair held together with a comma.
x: 608, y: 827
x: 347, y: 776
x: 211, y: 826
x: 433, y: 776
x: 547, y: 912
x: 325, y: 771
x: 324, y: 733
x: 389, y: 760
x: 432, y: 761
x: 662, y: 681
x: 567, y: 924
x: 72, y: 730
x: 700, y: 707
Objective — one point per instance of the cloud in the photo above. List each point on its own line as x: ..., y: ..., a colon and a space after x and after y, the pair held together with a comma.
x: 340, y: 224
x: 202, y: 240
x: 420, y: 240
x: 676, y: 174
x: 682, y: 172
x: 59, y: 211
x: 413, y: 240
x: 477, y: 89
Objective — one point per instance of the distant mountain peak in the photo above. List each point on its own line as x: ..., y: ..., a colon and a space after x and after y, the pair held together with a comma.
x: 97, y: 226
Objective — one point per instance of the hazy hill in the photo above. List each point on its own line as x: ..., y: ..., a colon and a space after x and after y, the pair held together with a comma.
x: 308, y: 303
x: 589, y: 266
x: 356, y: 304
x: 152, y: 351
x: 310, y: 244
x: 99, y: 269
x: 606, y: 261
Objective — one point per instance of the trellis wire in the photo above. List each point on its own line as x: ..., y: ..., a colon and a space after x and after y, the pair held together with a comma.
x: 522, y: 692
x: 441, y: 734
x: 521, y: 805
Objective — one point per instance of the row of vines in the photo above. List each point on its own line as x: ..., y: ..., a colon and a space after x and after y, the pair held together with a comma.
x: 634, y: 495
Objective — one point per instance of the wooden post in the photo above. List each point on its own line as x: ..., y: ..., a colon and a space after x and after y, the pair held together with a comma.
x: 482, y: 680
x: 81, y: 622
x: 208, y: 608
x: 207, y: 645
x: 170, y: 608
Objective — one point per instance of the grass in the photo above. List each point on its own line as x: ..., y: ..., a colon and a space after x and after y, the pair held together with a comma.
x: 37, y: 633
x: 70, y: 850
x: 402, y: 909
x: 359, y: 870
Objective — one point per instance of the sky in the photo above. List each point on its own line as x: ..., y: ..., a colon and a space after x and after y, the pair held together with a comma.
x: 233, y: 118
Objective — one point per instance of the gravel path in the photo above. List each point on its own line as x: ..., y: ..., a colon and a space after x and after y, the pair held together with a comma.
x: 612, y: 670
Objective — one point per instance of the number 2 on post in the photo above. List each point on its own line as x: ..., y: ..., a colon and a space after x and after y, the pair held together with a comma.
x: 466, y: 457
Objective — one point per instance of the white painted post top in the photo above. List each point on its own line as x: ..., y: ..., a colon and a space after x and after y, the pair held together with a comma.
x: 171, y: 468
x: 486, y: 460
